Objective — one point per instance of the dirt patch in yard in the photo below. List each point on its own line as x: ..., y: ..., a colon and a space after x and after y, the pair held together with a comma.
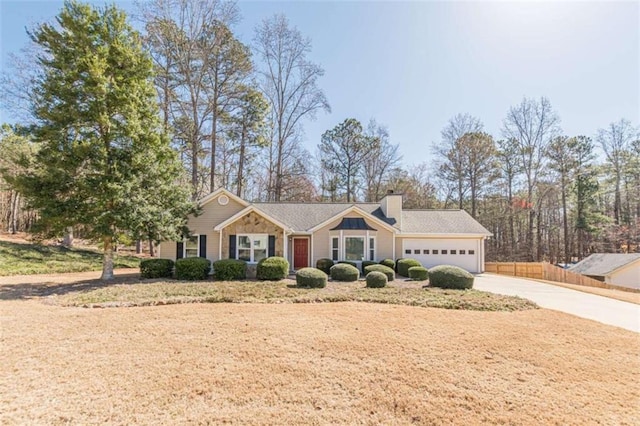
x: 346, y: 363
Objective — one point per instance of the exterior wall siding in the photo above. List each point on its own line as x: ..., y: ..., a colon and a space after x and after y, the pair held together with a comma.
x: 322, y: 239
x: 212, y: 214
x: 626, y: 277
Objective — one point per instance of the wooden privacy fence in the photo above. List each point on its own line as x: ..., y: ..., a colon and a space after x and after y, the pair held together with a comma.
x: 549, y: 272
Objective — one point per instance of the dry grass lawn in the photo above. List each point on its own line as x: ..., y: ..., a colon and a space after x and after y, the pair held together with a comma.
x: 337, y: 363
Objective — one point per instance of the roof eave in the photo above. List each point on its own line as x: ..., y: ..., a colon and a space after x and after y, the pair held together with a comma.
x: 246, y: 211
x: 444, y: 234
x: 357, y: 209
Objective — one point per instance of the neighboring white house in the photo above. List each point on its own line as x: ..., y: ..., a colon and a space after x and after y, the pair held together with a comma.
x: 612, y: 268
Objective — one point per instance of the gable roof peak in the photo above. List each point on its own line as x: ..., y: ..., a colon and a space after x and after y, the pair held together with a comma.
x: 220, y: 191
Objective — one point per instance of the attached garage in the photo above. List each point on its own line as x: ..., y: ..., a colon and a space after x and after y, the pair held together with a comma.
x: 465, y: 253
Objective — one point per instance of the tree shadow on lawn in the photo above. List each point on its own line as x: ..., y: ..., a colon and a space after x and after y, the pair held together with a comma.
x: 39, y: 288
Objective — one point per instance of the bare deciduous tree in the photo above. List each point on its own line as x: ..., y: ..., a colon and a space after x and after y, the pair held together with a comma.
x: 289, y: 81
x: 615, y: 141
x: 379, y: 165
x: 532, y: 124
x: 451, y: 163
x: 197, y: 61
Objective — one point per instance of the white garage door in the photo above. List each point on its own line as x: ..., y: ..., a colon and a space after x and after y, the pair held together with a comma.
x: 434, y: 252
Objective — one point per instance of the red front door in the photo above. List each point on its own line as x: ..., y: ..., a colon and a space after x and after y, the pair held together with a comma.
x: 300, y: 253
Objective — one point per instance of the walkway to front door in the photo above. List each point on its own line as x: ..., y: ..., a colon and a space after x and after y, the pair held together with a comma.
x: 300, y: 253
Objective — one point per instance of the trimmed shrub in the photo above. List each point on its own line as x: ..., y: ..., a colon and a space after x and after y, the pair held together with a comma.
x: 395, y: 268
x: 366, y: 263
x: 229, y: 269
x: 418, y: 273
x: 192, y: 268
x: 324, y: 265
x: 348, y: 262
x: 405, y: 264
x: 388, y: 272
x: 272, y: 268
x: 311, y: 277
x: 449, y: 276
x: 344, y: 272
x: 376, y: 279
x: 156, y: 268
x: 390, y: 263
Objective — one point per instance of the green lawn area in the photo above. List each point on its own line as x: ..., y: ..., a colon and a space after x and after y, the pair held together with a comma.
x: 146, y: 293
x: 21, y: 259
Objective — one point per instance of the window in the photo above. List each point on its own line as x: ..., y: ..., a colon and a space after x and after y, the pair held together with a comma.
x: 354, y: 248
x: 443, y: 251
x: 407, y: 252
x: 472, y: 252
x: 372, y: 249
x: 252, y: 248
x: 191, y: 247
x: 435, y: 252
x: 425, y: 251
x: 463, y: 251
x: 453, y: 252
x: 416, y: 252
x: 334, y: 248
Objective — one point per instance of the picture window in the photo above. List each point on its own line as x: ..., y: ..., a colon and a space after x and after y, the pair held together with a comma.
x: 354, y: 248
x: 252, y: 248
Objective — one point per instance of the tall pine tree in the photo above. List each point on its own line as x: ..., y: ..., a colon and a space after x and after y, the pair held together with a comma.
x: 104, y: 162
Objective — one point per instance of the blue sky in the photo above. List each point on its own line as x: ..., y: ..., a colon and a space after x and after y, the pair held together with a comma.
x: 413, y: 65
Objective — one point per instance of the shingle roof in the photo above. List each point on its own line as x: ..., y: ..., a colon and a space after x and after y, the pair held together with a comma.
x: 601, y: 264
x: 304, y: 216
x: 440, y: 222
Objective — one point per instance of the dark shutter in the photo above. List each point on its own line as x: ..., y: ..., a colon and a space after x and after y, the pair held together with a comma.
x: 272, y: 246
x: 203, y: 246
x: 179, y: 249
x: 232, y: 246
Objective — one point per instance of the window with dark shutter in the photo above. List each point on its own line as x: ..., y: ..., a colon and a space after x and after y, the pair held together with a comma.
x: 179, y: 249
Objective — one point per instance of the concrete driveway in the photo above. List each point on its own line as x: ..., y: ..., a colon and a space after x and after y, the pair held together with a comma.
x: 598, y: 308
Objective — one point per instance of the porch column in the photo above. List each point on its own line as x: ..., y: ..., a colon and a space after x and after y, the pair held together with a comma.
x: 367, y: 247
x: 393, y: 246
x: 284, y: 246
x: 311, y: 264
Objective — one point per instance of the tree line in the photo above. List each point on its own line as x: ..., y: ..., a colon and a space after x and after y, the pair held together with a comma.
x: 234, y: 115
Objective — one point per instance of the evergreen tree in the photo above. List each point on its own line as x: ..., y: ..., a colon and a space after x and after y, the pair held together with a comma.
x: 344, y: 150
x: 104, y: 162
